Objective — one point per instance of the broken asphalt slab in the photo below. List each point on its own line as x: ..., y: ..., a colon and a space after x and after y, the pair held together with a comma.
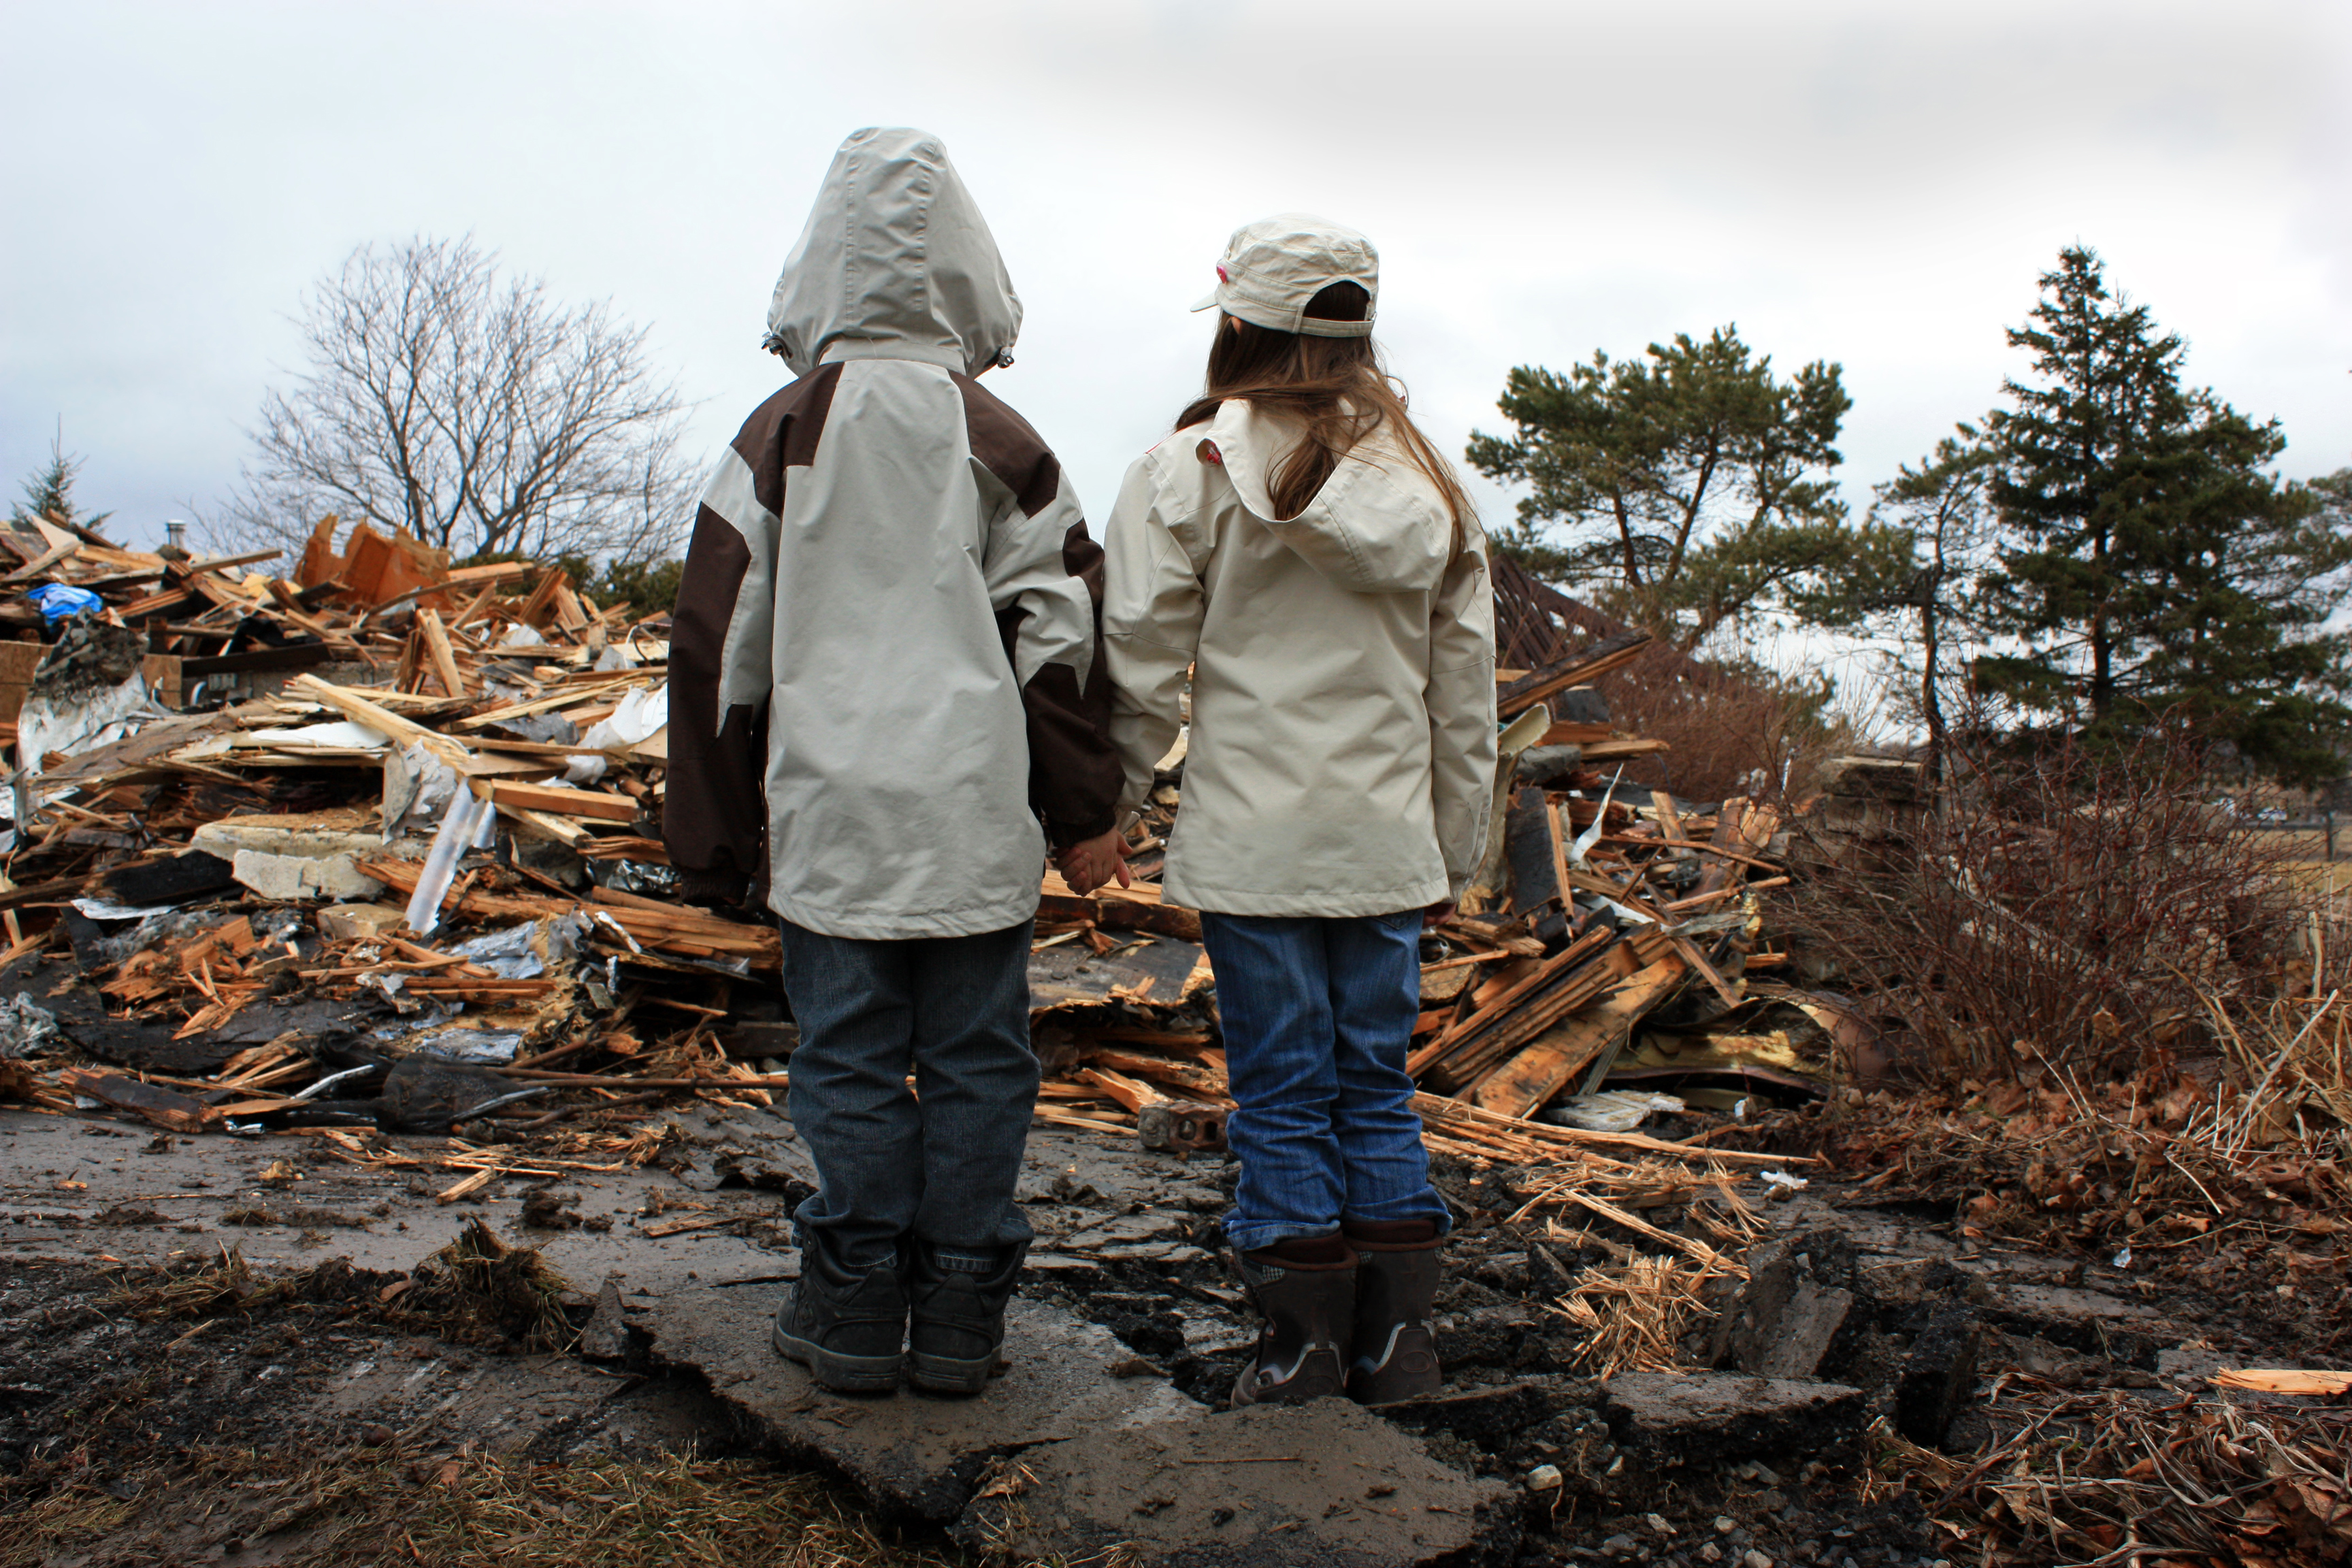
x: 912, y: 1452
x: 1671, y: 1418
x: 1322, y: 1485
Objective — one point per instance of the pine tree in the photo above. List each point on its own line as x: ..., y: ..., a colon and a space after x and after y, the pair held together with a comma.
x: 49, y: 494
x: 1687, y: 488
x: 2155, y: 569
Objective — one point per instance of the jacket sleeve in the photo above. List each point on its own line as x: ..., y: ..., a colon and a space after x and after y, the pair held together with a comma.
x: 714, y: 804
x: 1151, y: 627
x: 1460, y: 696
x: 1046, y: 584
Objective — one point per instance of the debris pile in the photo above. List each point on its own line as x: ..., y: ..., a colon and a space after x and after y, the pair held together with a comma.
x: 378, y: 844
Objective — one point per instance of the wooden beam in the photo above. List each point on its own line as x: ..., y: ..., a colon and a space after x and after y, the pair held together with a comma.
x: 444, y: 657
x: 588, y: 803
x: 41, y: 564
x: 1538, y: 1072
x: 406, y: 731
x: 1588, y: 663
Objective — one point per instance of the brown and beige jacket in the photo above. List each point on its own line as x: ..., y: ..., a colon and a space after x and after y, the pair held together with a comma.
x: 886, y: 670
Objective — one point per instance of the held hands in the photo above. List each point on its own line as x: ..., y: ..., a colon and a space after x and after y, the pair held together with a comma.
x: 1437, y: 914
x: 1091, y: 863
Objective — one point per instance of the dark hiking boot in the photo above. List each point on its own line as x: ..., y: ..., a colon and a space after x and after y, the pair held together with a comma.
x: 847, y: 1327
x: 1305, y: 1288
x: 1393, y: 1354
x: 959, y: 1327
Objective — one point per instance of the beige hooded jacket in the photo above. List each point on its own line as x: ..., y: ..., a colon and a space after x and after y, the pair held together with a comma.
x: 1341, y: 757
x: 885, y: 669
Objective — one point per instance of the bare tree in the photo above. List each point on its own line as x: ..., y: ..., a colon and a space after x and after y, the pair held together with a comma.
x: 470, y: 409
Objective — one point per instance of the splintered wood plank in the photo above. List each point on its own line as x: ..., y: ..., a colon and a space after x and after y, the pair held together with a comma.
x: 1560, y: 837
x: 1669, y: 818
x: 587, y: 803
x: 163, y: 1108
x: 1619, y: 750
x: 561, y: 829
x: 1585, y: 665
x: 1531, y: 849
x: 436, y: 647
x: 1543, y: 1068
x: 382, y: 720
x: 571, y: 695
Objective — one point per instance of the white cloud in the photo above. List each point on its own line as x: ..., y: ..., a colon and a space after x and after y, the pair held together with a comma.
x: 1874, y: 184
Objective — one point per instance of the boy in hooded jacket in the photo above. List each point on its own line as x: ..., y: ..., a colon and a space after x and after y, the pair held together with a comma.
x: 1300, y: 554
x: 887, y: 697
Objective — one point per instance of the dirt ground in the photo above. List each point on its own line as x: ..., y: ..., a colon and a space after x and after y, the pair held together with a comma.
x: 327, y: 1395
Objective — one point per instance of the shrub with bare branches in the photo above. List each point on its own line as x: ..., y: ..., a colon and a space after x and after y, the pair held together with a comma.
x: 2056, y: 907
x: 1727, y: 731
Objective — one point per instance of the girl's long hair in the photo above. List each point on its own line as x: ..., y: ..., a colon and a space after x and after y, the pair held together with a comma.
x: 1332, y: 387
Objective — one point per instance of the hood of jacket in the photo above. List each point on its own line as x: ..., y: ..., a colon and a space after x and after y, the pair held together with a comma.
x: 1377, y: 526
x: 895, y: 262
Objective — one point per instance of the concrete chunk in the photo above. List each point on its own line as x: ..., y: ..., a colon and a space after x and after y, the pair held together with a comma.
x: 1327, y: 1483
x: 909, y: 1451
x: 1937, y: 1375
x: 1690, y: 1417
x: 1787, y: 1317
x: 296, y: 878
x: 296, y: 836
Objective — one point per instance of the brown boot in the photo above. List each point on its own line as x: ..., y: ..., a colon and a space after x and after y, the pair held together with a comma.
x: 1305, y: 1290
x: 1393, y: 1353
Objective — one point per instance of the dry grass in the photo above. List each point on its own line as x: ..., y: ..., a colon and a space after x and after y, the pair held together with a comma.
x: 471, y: 1510
x: 1635, y: 1314
x: 227, y: 1286
x: 2107, y: 1479
x: 508, y: 1292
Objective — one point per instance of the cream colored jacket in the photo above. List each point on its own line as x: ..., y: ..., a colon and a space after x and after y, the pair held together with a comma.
x: 1341, y: 757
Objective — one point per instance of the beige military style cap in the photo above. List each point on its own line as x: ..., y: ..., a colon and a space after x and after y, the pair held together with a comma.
x: 1273, y: 267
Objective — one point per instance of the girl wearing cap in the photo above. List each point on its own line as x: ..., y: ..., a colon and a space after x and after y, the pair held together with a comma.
x: 1302, y: 551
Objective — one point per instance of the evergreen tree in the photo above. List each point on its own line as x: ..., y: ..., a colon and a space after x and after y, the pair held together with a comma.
x: 49, y: 494
x: 1686, y: 489
x: 2153, y: 566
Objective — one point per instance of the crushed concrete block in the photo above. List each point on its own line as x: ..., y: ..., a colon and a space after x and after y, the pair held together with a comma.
x: 606, y: 1336
x: 1273, y: 1485
x: 293, y: 835
x: 1488, y: 1417
x: 911, y: 1452
x: 1786, y: 1320
x: 1933, y: 1383
x: 1680, y: 1418
x: 344, y: 921
x: 294, y: 879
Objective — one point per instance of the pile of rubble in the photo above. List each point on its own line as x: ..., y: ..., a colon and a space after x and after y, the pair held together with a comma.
x: 379, y: 844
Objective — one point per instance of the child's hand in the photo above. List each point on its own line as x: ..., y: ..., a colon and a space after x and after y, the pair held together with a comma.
x: 1091, y: 863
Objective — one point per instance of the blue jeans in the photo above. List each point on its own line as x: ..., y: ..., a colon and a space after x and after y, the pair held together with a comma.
x: 940, y: 1170
x: 1317, y: 1014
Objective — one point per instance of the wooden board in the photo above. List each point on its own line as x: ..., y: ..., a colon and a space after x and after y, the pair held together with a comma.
x: 1544, y: 1068
x: 1586, y: 664
x: 589, y: 802
x: 1532, y: 853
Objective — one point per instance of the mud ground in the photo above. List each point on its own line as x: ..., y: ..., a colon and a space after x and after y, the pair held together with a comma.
x: 187, y: 1425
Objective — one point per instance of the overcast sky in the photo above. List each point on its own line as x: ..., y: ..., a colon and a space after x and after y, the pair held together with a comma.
x: 1873, y: 182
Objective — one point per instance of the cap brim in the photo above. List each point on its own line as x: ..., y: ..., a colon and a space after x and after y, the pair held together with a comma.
x: 1208, y: 302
